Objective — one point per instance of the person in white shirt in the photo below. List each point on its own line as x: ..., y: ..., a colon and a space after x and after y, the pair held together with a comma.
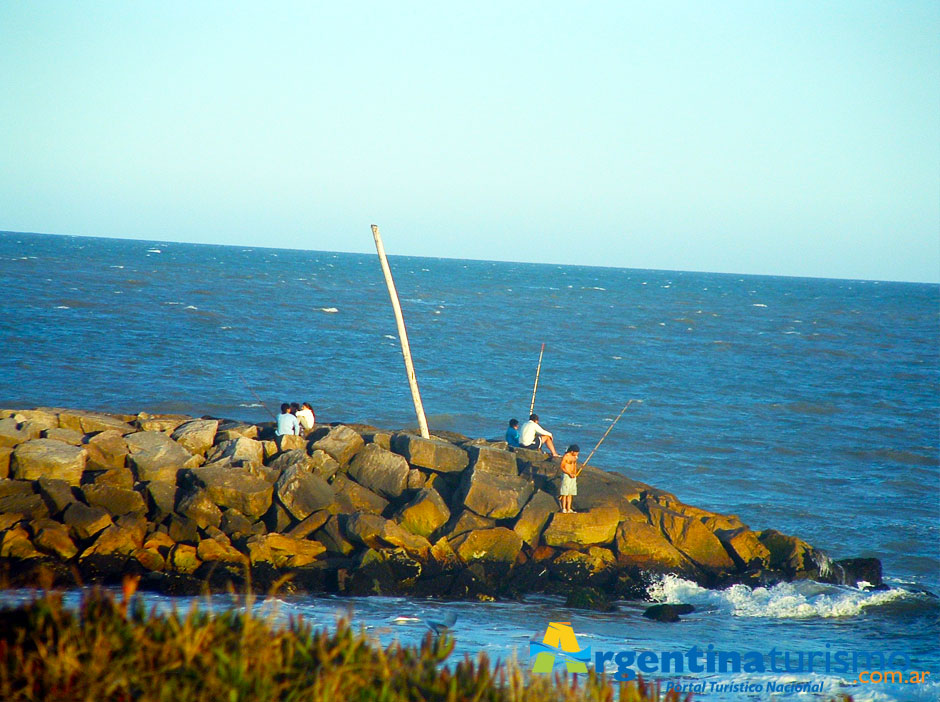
x: 533, y: 436
x: 306, y: 417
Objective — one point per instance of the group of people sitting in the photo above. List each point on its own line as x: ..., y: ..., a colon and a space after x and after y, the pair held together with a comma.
x: 295, y: 419
x: 531, y: 435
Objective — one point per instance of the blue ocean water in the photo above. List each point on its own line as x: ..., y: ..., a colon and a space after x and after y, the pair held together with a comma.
x: 806, y: 405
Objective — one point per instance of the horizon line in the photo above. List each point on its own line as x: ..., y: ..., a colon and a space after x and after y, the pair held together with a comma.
x: 480, y: 260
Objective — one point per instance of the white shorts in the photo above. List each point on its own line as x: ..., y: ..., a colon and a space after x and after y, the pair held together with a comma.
x: 569, y: 485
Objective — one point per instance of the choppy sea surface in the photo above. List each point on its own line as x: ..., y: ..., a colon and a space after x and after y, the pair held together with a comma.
x: 806, y: 405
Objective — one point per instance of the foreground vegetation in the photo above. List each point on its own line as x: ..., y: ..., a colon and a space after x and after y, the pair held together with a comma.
x: 112, y: 650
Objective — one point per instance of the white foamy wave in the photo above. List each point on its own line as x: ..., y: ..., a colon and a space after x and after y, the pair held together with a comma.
x: 252, y: 404
x: 154, y: 251
x: 190, y: 307
x: 758, y: 304
x: 389, y: 336
x: 115, y: 266
x: 63, y: 307
x: 797, y: 600
x: 329, y: 310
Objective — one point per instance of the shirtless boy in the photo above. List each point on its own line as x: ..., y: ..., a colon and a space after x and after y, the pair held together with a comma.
x: 569, y: 481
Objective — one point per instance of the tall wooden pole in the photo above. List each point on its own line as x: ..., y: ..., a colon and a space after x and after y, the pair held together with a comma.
x: 402, y: 334
x: 536, y: 386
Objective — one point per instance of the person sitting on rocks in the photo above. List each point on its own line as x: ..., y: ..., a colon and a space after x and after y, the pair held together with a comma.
x: 286, y: 424
x: 306, y: 418
x: 569, y: 480
x: 512, y: 433
x: 533, y: 436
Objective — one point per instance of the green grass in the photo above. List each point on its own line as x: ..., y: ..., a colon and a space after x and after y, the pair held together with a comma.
x: 107, y: 651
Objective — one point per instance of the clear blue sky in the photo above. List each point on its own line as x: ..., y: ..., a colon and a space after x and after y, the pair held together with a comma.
x: 791, y: 138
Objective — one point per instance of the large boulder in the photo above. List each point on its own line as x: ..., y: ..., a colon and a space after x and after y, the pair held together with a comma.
x: 154, y: 456
x: 48, y: 458
x: 495, y: 495
x: 237, y: 450
x: 114, y: 500
x: 641, y: 545
x: 213, y: 551
x: 196, y: 435
x: 467, y: 520
x: 5, y: 453
x: 583, y: 566
x: 84, y: 521
x: 744, y: 547
x: 434, y: 454
x: 309, y: 524
x: 534, y: 516
x: 53, y: 538
x: 91, y: 422
x: 425, y: 514
x: 16, y: 544
x: 333, y: 536
x: 282, y: 551
x: 27, y: 504
x: 165, y: 423
x: 341, y: 444
x: 599, y: 526
x: 106, y: 450
x: 200, y: 508
x: 114, y: 540
x: 492, y: 460
x: 303, y: 493
x: 352, y: 497
x: 381, y: 471
x: 498, y: 544
x: 236, y: 488
x: 66, y: 436
x: 691, y: 537
x: 791, y: 554
x: 379, y: 533
x: 58, y: 494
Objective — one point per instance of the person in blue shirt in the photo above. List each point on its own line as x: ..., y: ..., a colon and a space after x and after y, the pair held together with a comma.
x: 512, y: 433
x: 286, y: 424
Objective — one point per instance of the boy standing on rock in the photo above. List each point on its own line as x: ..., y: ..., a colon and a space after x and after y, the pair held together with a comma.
x: 569, y: 480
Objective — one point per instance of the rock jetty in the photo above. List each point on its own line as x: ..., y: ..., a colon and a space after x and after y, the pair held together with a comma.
x: 192, y: 503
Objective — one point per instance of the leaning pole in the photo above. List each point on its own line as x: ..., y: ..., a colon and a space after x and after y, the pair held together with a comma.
x: 402, y: 334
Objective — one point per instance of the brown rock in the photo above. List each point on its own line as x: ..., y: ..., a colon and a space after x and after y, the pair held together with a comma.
x: 333, y: 538
x: 106, y: 450
x: 149, y: 559
x: 534, y: 517
x: 378, y: 533
x: 788, y: 553
x: 183, y: 559
x: 341, y: 443
x: 66, y: 436
x: 198, y: 507
x: 161, y: 499
x: 381, y: 471
x: 58, y: 494
x: 599, y: 526
x: 235, y: 488
x: 240, y: 449
x: 229, y: 430
x: 116, y: 477
x: 283, y: 551
x: 495, y: 495
x: 84, y: 521
x: 53, y: 538
x: 579, y: 566
x: 425, y: 514
x: 745, y: 548
x: 444, y: 554
x: 164, y: 423
x: 114, y: 499
x: 434, y: 454
x: 234, y: 522
x: 113, y: 541
x: 309, y: 525
x: 14, y: 433
x: 26, y: 504
x: 302, y: 493
x: 196, y: 435
x: 91, y: 422
x: 16, y: 544
x: 691, y: 537
x: 212, y: 551
x: 497, y: 544
x: 492, y: 460
x: 641, y: 545
x: 466, y: 521
x: 48, y: 458
x: 156, y: 457
x: 352, y: 497
x: 5, y: 453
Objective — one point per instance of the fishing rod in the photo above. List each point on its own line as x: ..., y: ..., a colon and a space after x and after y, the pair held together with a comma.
x: 536, y: 387
x: 584, y: 465
x: 260, y: 401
